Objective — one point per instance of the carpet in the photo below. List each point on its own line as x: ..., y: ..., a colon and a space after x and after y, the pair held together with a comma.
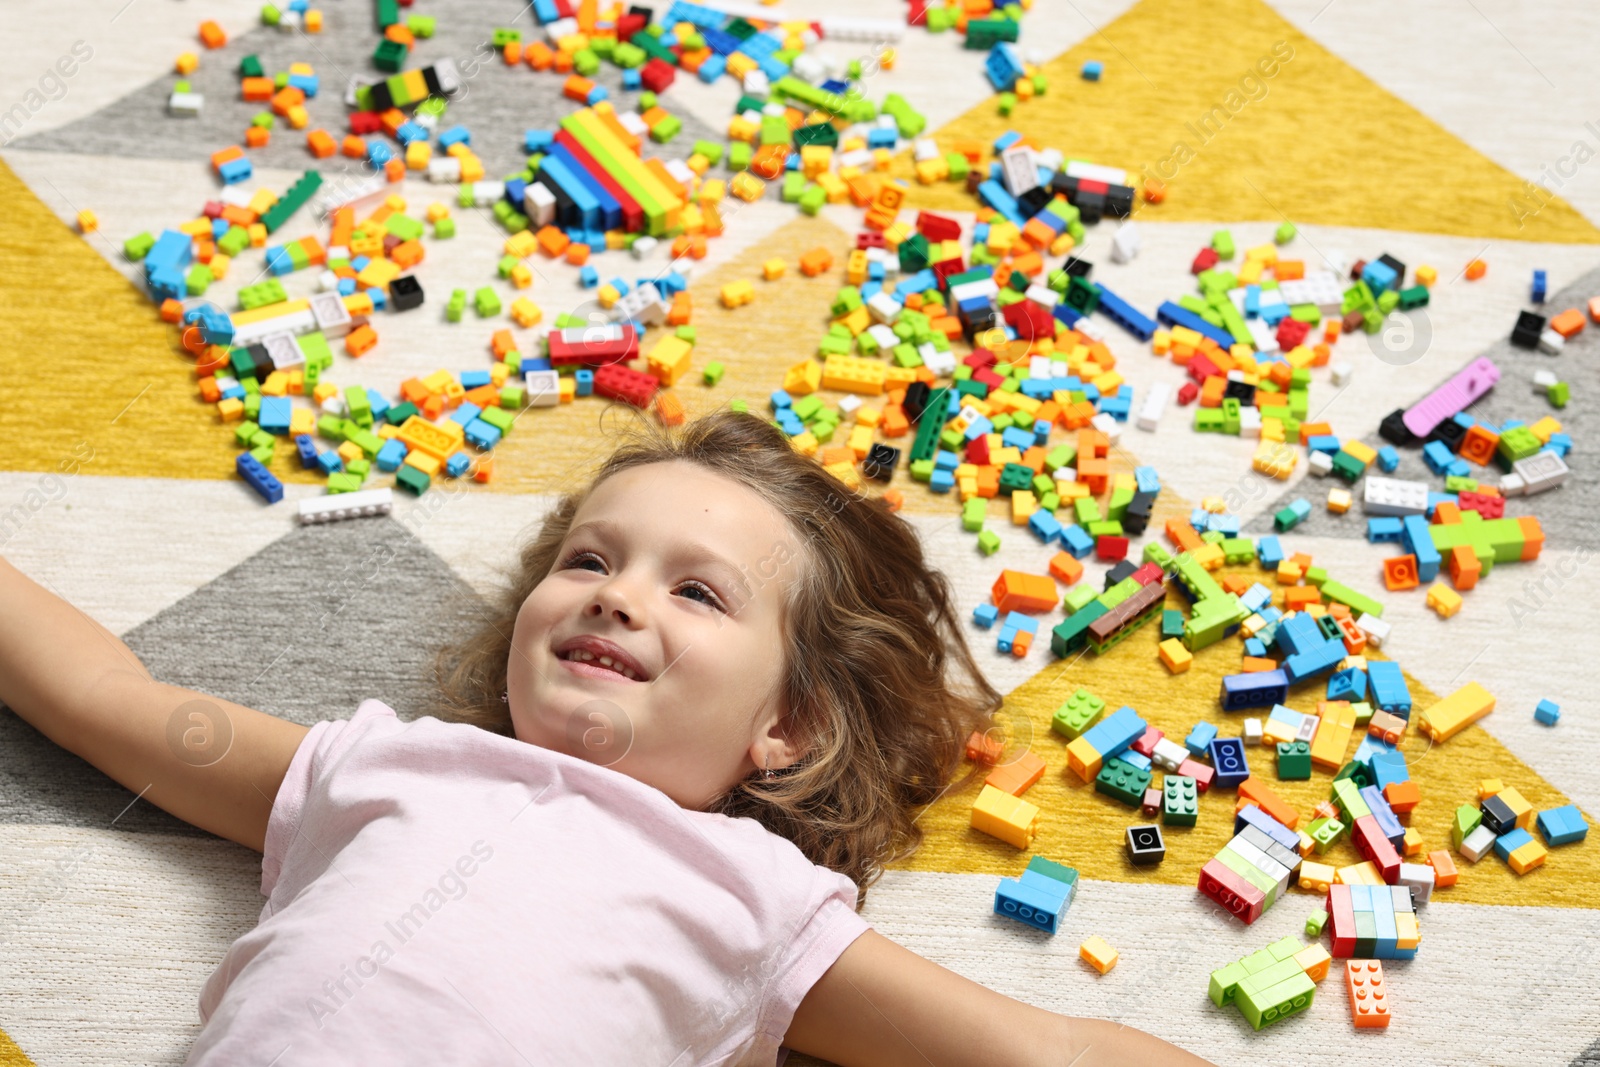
x: 116, y: 489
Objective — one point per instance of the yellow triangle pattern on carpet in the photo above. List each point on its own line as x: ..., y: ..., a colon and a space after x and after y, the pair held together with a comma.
x: 1248, y: 119
x: 1084, y: 829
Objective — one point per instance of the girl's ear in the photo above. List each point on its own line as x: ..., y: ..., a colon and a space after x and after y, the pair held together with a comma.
x: 778, y: 746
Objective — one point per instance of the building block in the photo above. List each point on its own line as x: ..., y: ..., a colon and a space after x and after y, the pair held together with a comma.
x: 1369, y: 996
x: 1011, y: 819
x: 1098, y: 954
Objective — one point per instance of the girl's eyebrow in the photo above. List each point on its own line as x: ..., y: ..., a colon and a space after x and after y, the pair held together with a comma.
x: 693, y: 552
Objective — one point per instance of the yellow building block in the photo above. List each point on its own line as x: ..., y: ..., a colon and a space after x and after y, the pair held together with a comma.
x: 1455, y: 712
x: 1443, y: 600
x: 525, y: 312
x: 669, y: 359
x: 773, y: 269
x: 1364, y: 873
x: 737, y: 294
x: 1174, y: 656
x: 803, y: 378
x: 1315, y: 960
x: 1097, y: 954
x: 861, y: 441
x: 747, y: 187
x: 1526, y: 858
x: 851, y: 374
x: 1316, y: 876
x: 1519, y: 807
x: 999, y: 814
x: 1338, y: 721
x: 1083, y: 759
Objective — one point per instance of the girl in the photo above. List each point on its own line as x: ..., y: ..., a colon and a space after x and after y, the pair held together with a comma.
x: 686, y: 739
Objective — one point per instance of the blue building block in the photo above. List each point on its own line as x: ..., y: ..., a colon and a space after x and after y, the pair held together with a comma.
x: 1199, y: 740
x: 1146, y: 480
x: 1419, y: 542
x: 1177, y: 315
x: 1388, y: 824
x: 1260, y: 689
x: 1547, y: 712
x: 1384, y: 529
x: 274, y: 414
x: 1388, y: 459
x: 1540, y: 287
x: 330, y: 462
x: 258, y: 477
x: 1254, y: 646
x: 985, y: 615
x: 1003, y: 67
x: 1438, y: 457
x: 308, y: 450
x: 1388, y: 687
x: 1389, y: 767
x: 1077, y: 541
x: 1092, y: 69
x: 391, y: 455
x: 1349, y: 684
x: 1045, y: 525
x: 482, y: 434
x: 1126, y: 315
x: 1379, y: 276
x: 1256, y: 598
x: 1116, y: 732
x: 1252, y: 815
x: 1562, y: 826
x: 1269, y: 552
x: 1228, y: 758
x: 1506, y: 844
x: 1036, y: 899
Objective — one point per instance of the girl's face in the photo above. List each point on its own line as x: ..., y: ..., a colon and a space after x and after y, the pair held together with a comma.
x: 677, y: 576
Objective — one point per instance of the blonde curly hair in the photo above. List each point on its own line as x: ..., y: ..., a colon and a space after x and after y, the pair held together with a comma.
x: 881, y: 686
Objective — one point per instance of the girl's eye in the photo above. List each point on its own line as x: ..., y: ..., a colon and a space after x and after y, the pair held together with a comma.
x: 704, y: 592
x: 578, y: 559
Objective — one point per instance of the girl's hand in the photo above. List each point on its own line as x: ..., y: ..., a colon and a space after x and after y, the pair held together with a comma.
x: 885, y: 1006
x: 210, y: 762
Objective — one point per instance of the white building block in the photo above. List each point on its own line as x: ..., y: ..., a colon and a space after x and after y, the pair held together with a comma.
x: 1155, y: 404
x: 1540, y: 471
x: 1391, y: 496
x: 337, y: 506
x: 1125, y: 243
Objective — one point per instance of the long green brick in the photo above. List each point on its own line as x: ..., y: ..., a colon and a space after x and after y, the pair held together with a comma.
x: 1343, y: 594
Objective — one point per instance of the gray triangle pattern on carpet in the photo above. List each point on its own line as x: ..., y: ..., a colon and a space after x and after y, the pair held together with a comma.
x: 496, y: 103
x: 1565, y: 511
x: 307, y: 628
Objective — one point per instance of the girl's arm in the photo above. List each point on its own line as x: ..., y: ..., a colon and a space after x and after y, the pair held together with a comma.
x: 883, y: 1005
x: 208, y: 761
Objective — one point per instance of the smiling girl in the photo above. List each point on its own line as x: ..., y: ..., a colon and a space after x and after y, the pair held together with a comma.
x: 685, y: 740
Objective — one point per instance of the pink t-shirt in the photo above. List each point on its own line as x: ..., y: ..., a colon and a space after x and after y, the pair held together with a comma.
x: 440, y: 894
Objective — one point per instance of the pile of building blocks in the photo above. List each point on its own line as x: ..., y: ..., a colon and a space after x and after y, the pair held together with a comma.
x: 1273, y: 983
x: 1039, y: 897
x: 1254, y: 868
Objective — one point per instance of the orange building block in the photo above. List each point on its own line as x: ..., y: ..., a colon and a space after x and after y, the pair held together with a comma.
x: 981, y: 748
x: 1018, y: 776
x: 552, y: 242
x: 1464, y: 567
x: 1018, y: 591
x: 257, y: 137
x: 359, y: 341
x: 815, y: 262
x: 1476, y: 269
x: 1258, y: 792
x: 1400, y: 572
x: 1403, y: 797
x: 1063, y: 566
x: 1444, y: 868
x: 212, y: 35
x: 1479, y: 445
x: 1568, y: 323
x: 1369, y: 997
x: 256, y: 90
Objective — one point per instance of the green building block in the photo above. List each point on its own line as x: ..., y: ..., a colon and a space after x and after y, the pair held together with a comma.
x: 389, y: 56
x: 1294, y: 760
x: 1324, y: 833
x: 410, y: 478
x: 1222, y: 244
x: 973, y: 514
x: 486, y: 302
x: 1122, y: 781
x: 1559, y: 394
x: 989, y: 542
x: 713, y: 373
x: 1284, y: 233
x: 1077, y: 714
x: 1067, y: 876
x: 1315, y: 922
x: 1180, y: 801
x: 1171, y: 623
x: 1466, y: 819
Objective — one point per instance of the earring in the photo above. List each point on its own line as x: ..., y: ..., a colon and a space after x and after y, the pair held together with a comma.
x: 769, y: 774
x: 505, y: 696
